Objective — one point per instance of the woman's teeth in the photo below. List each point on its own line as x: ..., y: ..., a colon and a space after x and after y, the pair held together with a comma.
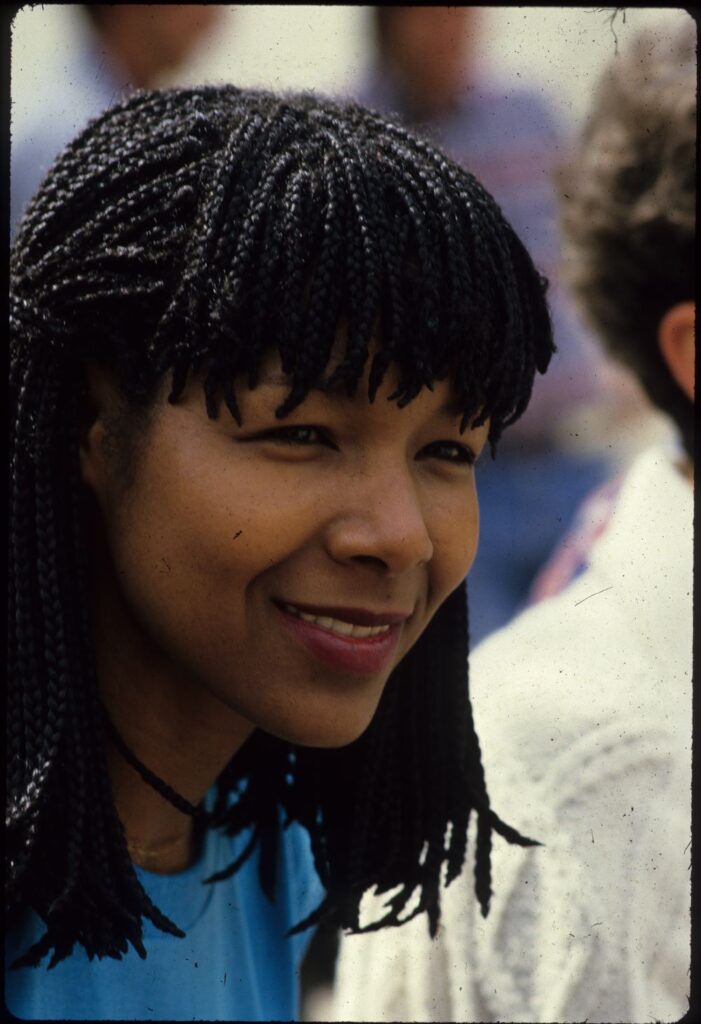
x: 337, y: 625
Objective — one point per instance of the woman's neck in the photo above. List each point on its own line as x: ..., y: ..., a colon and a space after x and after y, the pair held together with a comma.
x: 167, y: 857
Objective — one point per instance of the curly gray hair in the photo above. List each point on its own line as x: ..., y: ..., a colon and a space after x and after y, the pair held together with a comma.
x: 628, y: 208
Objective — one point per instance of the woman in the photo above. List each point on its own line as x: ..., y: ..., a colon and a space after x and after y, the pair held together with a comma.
x: 257, y: 346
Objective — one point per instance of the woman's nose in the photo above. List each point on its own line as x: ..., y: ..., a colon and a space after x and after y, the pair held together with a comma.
x: 383, y: 524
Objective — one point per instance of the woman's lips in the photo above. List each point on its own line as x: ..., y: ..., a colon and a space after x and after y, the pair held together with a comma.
x: 349, y: 653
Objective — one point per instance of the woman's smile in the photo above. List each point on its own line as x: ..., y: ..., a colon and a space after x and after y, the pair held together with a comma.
x: 352, y: 640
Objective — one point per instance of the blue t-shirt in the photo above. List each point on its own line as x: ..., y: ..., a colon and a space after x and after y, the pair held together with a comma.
x: 234, y: 963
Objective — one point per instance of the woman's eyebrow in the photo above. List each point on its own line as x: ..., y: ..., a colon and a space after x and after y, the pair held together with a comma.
x: 451, y: 407
x: 276, y: 380
x: 273, y: 380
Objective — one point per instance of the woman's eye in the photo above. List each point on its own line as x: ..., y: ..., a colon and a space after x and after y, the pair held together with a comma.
x: 450, y: 451
x: 301, y: 435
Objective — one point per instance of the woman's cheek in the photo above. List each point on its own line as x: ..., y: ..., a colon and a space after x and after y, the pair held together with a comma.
x: 454, y: 531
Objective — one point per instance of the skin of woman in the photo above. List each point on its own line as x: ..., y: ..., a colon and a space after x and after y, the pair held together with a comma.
x: 258, y: 344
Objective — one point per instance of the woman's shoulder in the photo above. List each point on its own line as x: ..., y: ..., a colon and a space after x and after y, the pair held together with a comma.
x: 234, y: 954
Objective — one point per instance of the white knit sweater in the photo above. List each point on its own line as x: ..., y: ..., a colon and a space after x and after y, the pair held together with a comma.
x: 583, y: 708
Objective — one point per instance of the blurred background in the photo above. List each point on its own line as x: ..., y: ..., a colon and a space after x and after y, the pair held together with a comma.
x: 559, y: 50
x: 503, y: 90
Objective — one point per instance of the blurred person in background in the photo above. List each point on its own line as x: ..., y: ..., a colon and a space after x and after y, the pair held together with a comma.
x: 426, y: 72
x: 583, y: 704
x: 118, y: 47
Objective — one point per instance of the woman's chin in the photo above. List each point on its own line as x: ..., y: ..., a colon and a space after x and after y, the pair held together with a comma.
x: 325, y: 733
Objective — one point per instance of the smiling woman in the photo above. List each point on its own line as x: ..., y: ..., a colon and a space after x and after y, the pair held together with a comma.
x: 258, y: 344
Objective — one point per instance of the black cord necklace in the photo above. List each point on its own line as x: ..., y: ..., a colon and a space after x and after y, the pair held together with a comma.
x: 153, y: 780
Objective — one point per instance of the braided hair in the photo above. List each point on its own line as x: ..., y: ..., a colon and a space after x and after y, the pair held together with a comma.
x: 192, y: 230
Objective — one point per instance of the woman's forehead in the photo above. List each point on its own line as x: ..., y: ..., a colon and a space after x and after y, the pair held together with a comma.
x: 439, y: 403
x: 280, y: 382
x: 271, y: 373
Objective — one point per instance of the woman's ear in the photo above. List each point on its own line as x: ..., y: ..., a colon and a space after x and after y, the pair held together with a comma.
x: 101, y: 400
x: 677, y: 341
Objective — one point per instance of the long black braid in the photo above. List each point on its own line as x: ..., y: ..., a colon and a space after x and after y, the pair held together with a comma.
x: 193, y: 229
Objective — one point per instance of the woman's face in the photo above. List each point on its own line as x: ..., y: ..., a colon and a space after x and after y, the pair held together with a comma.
x: 283, y: 568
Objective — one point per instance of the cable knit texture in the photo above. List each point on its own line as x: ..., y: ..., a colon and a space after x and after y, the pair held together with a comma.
x: 583, y: 708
